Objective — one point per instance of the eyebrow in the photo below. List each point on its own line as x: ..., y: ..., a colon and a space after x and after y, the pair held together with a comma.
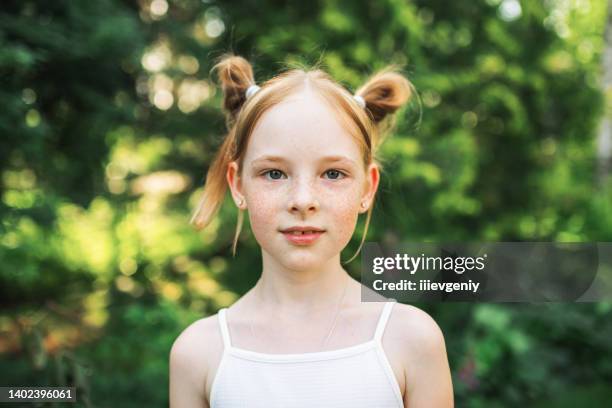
x: 280, y: 159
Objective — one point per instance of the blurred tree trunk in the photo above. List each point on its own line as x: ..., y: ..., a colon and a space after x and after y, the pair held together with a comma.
x: 604, y: 139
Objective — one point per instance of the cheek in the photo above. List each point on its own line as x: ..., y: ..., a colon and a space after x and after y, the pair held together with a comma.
x: 344, y: 214
x: 263, y: 215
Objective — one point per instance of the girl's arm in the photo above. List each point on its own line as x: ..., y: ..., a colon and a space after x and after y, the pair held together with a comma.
x: 187, y: 371
x: 427, y: 372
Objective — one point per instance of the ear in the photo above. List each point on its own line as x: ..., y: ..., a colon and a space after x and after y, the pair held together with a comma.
x: 371, y: 185
x: 235, y: 185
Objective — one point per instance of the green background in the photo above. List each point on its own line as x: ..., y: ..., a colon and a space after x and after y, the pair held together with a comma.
x: 109, y: 119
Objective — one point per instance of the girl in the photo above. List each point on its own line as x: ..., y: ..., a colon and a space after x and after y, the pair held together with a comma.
x: 299, y: 156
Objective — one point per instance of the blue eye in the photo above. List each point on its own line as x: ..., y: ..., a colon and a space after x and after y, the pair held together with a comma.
x: 273, y: 171
x: 334, y: 171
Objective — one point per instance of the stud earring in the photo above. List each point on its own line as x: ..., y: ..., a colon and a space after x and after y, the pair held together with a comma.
x: 363, y: 205
x: 240, y: 203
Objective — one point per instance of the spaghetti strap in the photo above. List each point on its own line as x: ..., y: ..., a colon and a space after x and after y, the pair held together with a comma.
x: 223, y: 326
x: 382, y: 321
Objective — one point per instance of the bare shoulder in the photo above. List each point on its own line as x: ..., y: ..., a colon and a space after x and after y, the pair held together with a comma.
x: 198, y: 340
x: 194, y: 353
x: 416, y: 329
x: 420, y: 347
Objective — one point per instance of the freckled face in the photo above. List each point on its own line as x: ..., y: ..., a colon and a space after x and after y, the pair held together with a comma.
x: 302, y: 186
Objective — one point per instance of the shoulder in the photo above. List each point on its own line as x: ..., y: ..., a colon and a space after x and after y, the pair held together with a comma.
x: 417, y: 335
x: 195, y: 350
x: 204, y: 331
x: 416, y: 329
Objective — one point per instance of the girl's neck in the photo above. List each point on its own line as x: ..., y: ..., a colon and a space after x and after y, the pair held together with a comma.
x: 301, y: 292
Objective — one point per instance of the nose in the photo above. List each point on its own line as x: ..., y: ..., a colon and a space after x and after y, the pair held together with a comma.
x: 303, y: 199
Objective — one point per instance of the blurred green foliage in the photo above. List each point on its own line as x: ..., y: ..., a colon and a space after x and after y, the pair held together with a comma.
x: 109, y: 120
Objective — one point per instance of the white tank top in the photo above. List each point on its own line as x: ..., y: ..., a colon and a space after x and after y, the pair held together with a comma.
x: 358, y: 376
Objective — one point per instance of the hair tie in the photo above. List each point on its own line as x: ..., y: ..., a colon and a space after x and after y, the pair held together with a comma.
x: 360, y: 101
x: 252, y: 90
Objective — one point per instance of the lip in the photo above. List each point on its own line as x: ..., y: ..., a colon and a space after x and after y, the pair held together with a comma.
x: 302, y: 239
x: 303, y: 228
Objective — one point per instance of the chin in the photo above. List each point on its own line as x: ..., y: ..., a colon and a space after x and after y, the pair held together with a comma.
x: 302, y: 260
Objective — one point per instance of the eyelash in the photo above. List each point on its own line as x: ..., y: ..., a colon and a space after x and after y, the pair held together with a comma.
x: 344, y: 175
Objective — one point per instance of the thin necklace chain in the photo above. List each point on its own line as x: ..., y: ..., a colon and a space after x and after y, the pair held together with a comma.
x: 335, y: 316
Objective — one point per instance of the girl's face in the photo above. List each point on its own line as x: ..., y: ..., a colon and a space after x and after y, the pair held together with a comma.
x: 302, y: 168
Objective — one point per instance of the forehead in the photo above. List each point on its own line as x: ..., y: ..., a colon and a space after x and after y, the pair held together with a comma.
x: 302, y: 126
